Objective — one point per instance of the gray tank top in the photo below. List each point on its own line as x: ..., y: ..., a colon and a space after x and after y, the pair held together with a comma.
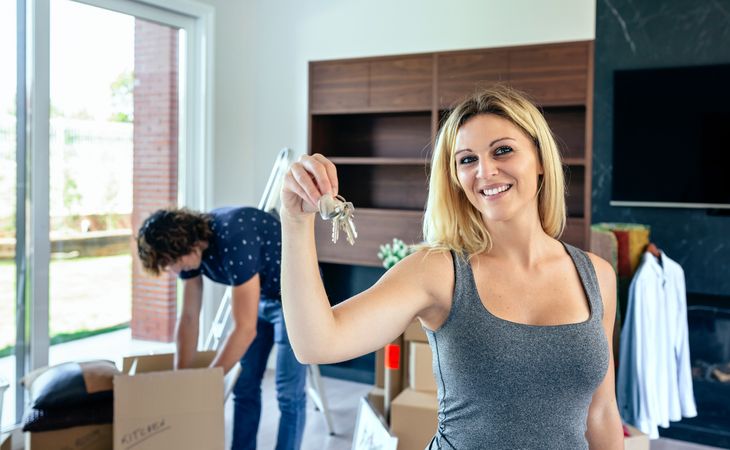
x: 506, y: 385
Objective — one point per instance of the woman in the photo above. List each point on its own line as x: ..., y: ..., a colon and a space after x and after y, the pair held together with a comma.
x: 517, y: 321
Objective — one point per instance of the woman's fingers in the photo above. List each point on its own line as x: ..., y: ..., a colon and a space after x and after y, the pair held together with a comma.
x: 331, y: 172
x: 306, y: 181
x: 316, y: 167
x: 295, y: 202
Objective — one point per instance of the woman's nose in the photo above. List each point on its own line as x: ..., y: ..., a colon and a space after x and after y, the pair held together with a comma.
x: 487, y: 168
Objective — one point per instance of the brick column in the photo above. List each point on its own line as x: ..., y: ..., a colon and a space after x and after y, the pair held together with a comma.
x: 154, y: 300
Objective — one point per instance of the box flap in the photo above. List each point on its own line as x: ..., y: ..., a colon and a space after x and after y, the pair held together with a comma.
x: 163, y: 361
x: 415, y: 399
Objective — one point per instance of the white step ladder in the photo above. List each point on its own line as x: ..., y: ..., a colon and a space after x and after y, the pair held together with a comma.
x: 222, y: 322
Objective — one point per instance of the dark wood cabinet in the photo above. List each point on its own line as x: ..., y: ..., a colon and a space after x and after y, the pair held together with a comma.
x: 460, y: 73
x: 338, y: 87
x: 376, y: 119
x: 402, y: 84
x: 552, y: 74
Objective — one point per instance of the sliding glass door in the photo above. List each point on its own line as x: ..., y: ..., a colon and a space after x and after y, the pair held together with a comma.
x: 114, y: 114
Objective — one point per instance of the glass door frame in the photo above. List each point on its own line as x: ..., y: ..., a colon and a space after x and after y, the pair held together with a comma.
x: 33, y: 218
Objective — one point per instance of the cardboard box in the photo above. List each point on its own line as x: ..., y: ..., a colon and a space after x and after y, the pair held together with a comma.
x: 157, y: 408
x: 6, y: 441
x: 380, y: 368
x: 420, y: 367
x: 415, y: 332
x: 376, y: 397
x: 637, y: 440
x: 393, y: 372
x: 414, y: 418
x: 87, y: 437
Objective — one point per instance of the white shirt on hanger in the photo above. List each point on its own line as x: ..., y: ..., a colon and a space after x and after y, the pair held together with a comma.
x: 655, y: 375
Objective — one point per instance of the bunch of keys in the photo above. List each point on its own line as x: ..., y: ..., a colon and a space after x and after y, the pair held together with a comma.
x: 341, y: 213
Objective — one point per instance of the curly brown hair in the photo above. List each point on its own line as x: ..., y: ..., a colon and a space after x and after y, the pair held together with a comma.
x: 169, y: 234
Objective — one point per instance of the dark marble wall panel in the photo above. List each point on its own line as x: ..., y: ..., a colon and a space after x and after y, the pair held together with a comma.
x: 633, y: 34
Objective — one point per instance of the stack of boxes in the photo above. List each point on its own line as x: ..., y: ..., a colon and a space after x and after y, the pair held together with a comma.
x: 406, y: 389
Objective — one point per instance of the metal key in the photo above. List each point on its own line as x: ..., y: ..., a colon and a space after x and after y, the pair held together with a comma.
x: 335, y: 228
x: 340, y: 212
x: 348, y: 224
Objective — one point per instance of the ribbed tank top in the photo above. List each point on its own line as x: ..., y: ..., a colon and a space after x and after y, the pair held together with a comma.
x: 506, y: 385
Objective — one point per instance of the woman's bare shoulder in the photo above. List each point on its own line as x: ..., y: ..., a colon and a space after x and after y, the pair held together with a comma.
x: 606, y: 280
x: 431, y: 270
x: 604, y: 269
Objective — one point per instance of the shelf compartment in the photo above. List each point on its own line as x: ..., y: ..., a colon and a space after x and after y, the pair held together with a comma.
x: 575, y: 232
x: 384, y: 186
x: 568, y: 126
x: 398, y: 135
x: 375, y: 227
x: 575, y: 190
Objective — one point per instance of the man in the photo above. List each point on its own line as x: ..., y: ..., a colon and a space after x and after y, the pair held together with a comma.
x: 241, y: 248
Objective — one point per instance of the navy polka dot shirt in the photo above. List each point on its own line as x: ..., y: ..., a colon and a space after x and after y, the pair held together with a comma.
x: 245, y: 241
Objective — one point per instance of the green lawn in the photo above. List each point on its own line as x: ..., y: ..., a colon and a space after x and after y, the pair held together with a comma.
x: 86, y: 294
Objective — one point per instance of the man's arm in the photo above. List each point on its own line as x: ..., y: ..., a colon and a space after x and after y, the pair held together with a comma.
x: 186, y: 334
x: 244, y: 311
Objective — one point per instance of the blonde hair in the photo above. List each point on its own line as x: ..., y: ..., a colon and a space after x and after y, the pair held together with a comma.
x: 451, y: 222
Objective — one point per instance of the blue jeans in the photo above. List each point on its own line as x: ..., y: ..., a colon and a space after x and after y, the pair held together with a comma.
x: 290, y: 379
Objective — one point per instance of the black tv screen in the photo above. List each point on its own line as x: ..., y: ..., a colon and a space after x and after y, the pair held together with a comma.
x: 671, y: 137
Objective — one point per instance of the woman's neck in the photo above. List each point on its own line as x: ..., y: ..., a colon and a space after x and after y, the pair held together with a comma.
x: 520, y: 241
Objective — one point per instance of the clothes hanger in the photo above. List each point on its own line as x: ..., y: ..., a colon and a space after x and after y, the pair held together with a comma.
x: 652, y: 248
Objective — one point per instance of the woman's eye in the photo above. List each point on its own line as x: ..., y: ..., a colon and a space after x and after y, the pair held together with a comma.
x: 467, y: 159
x: 503, y: 150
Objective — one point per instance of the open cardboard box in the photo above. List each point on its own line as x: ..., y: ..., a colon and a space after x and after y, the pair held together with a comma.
x: 86, y: 437
x: 156, y: 408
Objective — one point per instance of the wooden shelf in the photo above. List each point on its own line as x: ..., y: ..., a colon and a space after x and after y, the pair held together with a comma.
x: 364, y: 160
x: 375, y: 227
x: 574, y: 161
x: 366, y: 110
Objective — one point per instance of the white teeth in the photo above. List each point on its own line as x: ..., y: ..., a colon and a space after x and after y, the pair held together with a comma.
x: 495, y: 191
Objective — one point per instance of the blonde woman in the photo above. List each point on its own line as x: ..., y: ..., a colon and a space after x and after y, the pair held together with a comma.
x: 517, y: 320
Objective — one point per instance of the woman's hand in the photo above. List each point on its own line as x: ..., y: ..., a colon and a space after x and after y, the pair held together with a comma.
x: 305, y: 182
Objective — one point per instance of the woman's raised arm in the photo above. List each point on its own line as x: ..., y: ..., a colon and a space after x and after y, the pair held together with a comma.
x: 362, y: 324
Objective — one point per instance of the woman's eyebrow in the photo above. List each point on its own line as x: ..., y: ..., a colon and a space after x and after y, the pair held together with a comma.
x: 501, y: 139
x: 490, y: 144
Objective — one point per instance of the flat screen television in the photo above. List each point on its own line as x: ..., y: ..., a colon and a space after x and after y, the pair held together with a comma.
x: 671, y: 137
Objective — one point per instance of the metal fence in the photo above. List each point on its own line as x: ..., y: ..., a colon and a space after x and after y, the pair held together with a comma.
x: 90, y: 168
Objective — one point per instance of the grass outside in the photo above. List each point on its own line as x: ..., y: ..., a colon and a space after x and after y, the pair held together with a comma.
x: 87, y: 295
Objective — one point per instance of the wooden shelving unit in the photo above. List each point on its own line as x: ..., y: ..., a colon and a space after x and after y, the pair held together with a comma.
x: 376, y: 119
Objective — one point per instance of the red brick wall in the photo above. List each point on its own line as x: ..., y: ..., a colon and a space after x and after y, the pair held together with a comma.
x: 154, y: 300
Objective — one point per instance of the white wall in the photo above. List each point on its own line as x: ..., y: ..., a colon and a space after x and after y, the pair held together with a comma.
x: 263, y: 47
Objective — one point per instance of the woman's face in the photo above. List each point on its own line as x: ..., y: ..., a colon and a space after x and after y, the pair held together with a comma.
x: 191, y: 261
x: 497, y: 167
